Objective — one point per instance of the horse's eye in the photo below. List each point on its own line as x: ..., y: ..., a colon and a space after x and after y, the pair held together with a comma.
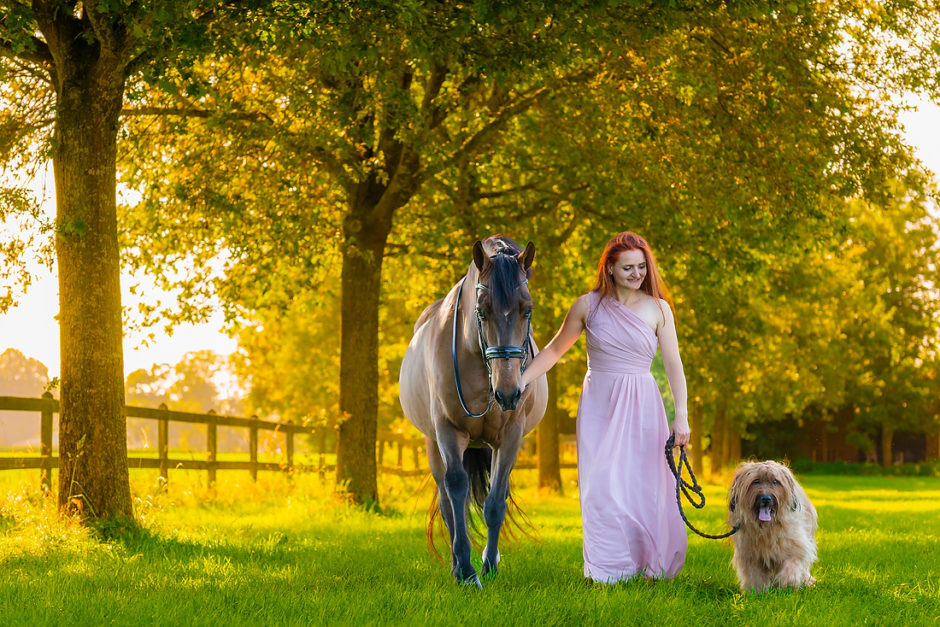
x: 481, y: 314
x: 528, y: 312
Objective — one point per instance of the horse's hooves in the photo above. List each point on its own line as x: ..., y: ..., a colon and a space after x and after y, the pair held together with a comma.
x: 488, y: 571
x: 488, y: 557
x: 468, y: 577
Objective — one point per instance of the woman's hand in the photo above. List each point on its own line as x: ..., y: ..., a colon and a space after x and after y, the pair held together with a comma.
x: 680, y: 429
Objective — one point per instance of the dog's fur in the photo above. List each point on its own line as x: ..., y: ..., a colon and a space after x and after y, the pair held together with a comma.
x: 779, y: 550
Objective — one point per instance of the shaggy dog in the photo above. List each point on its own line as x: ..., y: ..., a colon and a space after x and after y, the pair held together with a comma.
x: 775, y: 544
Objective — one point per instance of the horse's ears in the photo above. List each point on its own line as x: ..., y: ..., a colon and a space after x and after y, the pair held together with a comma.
x: 526, y: 256
x: 479, y: 257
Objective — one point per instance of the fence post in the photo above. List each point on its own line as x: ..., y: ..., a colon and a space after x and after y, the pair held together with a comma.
x: 290, y: 451
x: 163, y: 440
x: 45, y: 438
x: 212, y: 444
x: 322, y: 451
x: 253, y: 449
x: 414, y: 455
x: 401, y: 445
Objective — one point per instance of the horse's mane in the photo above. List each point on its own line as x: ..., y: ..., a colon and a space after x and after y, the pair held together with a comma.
x: 503, y: 270
x: 503, y: 276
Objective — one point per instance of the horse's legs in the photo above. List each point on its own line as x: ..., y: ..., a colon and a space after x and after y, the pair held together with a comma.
x: 436, y: 462
x: 494, y: 509
x: 452, y: 444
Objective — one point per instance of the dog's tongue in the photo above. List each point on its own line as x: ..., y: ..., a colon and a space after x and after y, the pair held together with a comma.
x: 764, y: 514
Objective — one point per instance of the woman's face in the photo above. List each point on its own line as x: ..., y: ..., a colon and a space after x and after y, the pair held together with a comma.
x: 629, y: 270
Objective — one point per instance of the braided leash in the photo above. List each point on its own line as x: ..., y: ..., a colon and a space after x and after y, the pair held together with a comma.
x: 682, y: 484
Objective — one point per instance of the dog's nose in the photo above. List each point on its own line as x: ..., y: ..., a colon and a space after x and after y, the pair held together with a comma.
x: 766, y: 500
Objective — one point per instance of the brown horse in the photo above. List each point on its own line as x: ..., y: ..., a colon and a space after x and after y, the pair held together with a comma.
x: 460, y: 386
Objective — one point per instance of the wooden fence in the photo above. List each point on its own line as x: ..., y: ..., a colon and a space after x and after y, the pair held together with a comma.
x: 47, y: 407
x: 395, y: 443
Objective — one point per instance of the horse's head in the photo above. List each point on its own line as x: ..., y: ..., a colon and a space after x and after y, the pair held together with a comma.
x: 504, y: 308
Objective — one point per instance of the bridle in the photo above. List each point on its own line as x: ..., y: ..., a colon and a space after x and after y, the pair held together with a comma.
x: 506, y: 351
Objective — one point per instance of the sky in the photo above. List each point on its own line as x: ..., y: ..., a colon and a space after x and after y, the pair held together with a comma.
x: 32, y: 329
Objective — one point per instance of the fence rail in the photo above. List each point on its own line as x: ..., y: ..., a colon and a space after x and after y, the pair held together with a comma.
x: 47, y: 407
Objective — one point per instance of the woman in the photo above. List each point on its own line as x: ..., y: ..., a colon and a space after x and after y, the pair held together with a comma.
x: 631, y: 523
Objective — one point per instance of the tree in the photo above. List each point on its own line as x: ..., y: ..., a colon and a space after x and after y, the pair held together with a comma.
x: 896, y: 338
x: 383, y: 98
x: 70, y: 62
x: 729, y: 135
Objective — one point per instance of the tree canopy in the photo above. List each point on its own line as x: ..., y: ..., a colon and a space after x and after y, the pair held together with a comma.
x: 324, y: 169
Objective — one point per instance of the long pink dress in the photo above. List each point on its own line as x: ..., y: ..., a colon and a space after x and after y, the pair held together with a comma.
x: 628, y: 508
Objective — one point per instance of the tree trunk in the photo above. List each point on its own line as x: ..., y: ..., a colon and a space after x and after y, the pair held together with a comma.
x: 932, y: 447
x: 695, y: 445
x: 734, y: 445
x: 887, y: 440
x: 93, y: 475
x: 365, y: 232
x: 718, y: 445
x: 547, y: 434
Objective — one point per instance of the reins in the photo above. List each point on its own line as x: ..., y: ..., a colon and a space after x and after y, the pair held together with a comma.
x: 453, y: 353
x: 684, y: 486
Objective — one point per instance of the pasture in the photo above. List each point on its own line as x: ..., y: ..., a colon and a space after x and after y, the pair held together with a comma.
x: 279, y: 552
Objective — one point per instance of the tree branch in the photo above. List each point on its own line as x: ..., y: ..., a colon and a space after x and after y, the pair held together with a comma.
x: 434, y: 114
x: 323, y: 156
x: 41, y: 55
x: 193, y: 112
x: 104, y: 30
x: 60, y: 28
x: 505, y: 192
x: 520, y: 105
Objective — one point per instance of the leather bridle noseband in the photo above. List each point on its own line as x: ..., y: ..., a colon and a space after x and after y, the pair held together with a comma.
x: 507, y: 351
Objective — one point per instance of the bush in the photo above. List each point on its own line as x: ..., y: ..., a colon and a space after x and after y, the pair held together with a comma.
x: 921, y: 469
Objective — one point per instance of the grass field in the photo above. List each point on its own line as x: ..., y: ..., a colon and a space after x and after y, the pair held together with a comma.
x: 279, y: 553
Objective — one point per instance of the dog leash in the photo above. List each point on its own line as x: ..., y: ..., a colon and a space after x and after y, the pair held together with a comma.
x: 682, y: 484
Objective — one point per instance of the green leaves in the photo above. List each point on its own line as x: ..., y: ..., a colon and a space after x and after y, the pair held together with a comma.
x: 67, y: 227
x: 729, y: 136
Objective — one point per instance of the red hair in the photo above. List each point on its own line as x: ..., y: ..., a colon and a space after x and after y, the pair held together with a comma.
x: 652, y: 283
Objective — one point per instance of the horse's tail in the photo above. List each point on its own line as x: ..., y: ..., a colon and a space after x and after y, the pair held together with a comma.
x: 477, y: 463
x: 516, y: 521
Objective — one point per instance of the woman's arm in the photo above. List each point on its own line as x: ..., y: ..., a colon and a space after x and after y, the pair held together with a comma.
x: 567, y: 335
x: 669, y: 346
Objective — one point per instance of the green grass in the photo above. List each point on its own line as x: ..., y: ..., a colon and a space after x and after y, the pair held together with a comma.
x: 277, y: 553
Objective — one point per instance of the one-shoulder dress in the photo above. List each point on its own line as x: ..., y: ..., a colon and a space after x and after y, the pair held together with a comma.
x: 629, y: 515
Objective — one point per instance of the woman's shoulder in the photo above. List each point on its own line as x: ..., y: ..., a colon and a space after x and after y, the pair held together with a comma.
x: 664, y: 310
x: 654, y: 310
x: 582, y: 306
x: 583, y: 302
